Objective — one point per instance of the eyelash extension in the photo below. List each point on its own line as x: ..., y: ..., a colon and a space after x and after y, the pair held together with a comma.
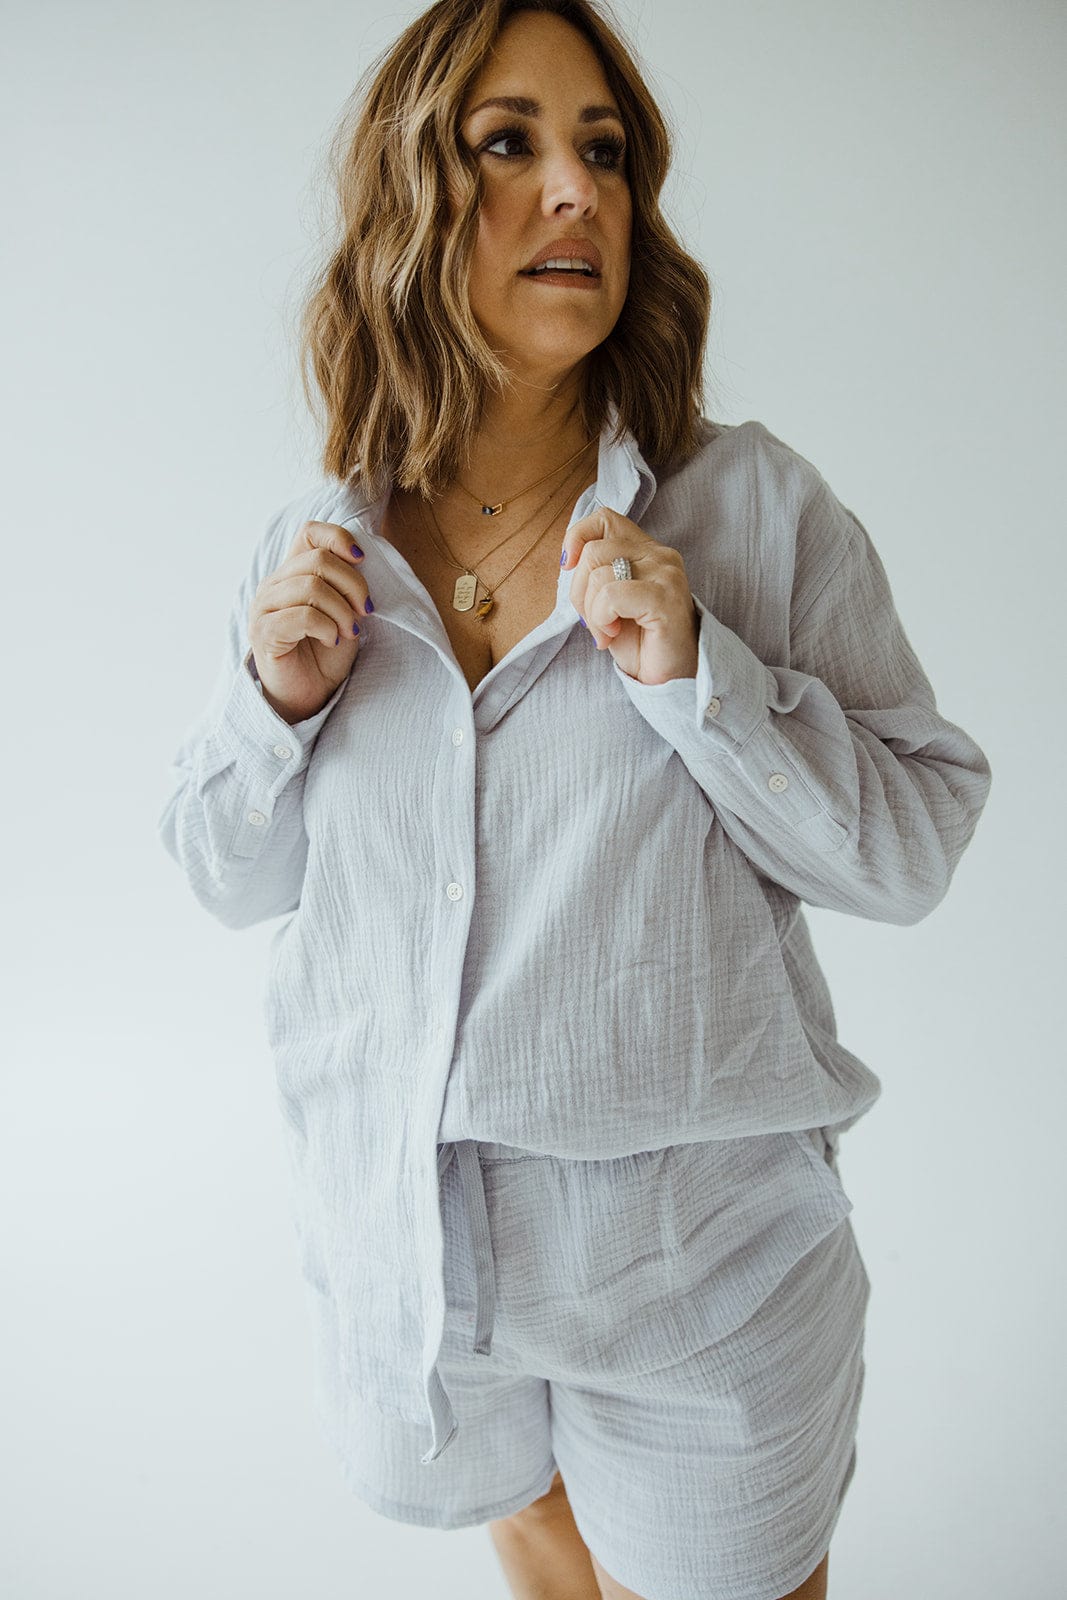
x: 613, y: 142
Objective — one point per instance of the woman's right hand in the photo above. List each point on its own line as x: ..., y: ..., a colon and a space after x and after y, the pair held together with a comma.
x: 300, y: 621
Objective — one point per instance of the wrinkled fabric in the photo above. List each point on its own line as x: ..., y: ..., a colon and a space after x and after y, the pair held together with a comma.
x: 706, y: 1434
x: 563, y: 911
x: 613, y: 1268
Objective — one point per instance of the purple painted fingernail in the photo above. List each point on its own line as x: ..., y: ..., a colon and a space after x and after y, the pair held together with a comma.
x: 355, y: 627
x: 583, y: 622
x: 370, y: 603
x: 356, y: 551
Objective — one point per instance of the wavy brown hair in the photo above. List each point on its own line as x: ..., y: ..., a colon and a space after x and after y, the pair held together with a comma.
x: 399, y: 361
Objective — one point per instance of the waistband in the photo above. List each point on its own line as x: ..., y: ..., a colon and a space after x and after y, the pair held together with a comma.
x: 469, y: 1155
x: 489, y: 1150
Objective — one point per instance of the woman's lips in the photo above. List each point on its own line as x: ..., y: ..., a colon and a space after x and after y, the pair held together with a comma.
x: 567, y: 280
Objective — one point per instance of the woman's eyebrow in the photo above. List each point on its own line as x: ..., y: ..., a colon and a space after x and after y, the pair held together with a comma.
x: 524, y: 107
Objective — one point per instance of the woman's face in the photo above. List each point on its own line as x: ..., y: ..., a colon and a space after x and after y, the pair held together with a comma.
x: 551, y: 171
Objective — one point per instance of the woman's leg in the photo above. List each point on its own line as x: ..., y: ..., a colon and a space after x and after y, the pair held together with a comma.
x: 542, y: 1553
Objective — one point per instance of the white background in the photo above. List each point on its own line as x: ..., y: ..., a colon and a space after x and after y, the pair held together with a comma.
x: 876, y: 193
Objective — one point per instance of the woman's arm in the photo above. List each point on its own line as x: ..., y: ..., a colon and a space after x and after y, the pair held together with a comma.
x: 836, y: 775
x: 234, y: 821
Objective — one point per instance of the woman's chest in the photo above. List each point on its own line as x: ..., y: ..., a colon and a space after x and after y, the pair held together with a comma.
x: 520, y: 604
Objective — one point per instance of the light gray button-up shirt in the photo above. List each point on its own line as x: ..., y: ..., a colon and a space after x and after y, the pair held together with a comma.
x: 564, y: 912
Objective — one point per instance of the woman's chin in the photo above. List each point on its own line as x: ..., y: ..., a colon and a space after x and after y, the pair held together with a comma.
x: 554, y: 357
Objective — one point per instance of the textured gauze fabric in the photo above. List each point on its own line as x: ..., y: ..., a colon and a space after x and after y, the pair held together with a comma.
x: 563, y: 911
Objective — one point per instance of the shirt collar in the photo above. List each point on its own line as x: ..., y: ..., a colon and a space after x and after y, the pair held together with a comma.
x: 625, y: 481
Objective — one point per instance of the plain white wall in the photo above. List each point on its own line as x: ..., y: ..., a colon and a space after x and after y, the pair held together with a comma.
x: 876, y: 193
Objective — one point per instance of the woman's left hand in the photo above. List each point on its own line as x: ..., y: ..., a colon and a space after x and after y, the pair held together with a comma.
x: 649, y: 621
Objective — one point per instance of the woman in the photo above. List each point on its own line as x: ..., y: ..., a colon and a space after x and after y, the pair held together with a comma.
x: 557, y: 1061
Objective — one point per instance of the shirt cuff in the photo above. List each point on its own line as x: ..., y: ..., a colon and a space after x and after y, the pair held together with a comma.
x: 267, y: 749
x: 725, y: 703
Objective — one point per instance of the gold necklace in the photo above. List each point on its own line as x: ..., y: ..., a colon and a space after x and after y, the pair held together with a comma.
x: 494, y: 511
x: 466, y: 586
x: 536, y: 512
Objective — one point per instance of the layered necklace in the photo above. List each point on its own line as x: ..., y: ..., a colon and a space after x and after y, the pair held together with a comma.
x: 466, y: 586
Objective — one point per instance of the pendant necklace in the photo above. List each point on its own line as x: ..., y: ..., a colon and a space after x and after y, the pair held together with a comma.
x: 466, y: 586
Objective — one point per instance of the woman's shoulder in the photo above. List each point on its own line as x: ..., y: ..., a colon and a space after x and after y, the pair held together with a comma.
x: 748, y: 455
x: 768, y: 503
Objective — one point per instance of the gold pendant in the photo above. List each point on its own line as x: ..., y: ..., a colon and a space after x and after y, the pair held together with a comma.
x: 485, y: 607
x: 492, y: 511
x: 463, y: 595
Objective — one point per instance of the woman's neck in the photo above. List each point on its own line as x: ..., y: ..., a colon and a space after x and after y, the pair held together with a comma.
x: 524, y: 518
x: 523, y: 437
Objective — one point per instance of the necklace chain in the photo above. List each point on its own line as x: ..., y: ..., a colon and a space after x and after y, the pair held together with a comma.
x: 465, y: 590
x: 490, y: 510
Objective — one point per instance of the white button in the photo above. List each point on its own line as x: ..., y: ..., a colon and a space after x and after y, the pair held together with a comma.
x: 282, y: 751
x: 778, y: 781
x: 457, y: 735
x: 714, y: 706
x: 454, y: 891
x: 256, y: 818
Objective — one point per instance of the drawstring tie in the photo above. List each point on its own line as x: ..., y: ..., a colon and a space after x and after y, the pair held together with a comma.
x: 472, y: 1182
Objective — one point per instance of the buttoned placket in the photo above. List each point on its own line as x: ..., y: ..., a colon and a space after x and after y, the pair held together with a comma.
x: 623, y: 486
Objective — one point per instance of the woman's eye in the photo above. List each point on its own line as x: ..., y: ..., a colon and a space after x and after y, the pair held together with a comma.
x: 614, y: 147
x: 504, y: 138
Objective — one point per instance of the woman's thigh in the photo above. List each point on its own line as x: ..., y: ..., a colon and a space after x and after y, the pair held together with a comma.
x: 498, y: 1463
x: 500, y: 1459
x: 724, y: 1474
x: 645, y: 1342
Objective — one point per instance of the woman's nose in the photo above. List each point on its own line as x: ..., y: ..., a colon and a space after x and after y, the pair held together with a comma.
x: 567, y: 189
x: 568, y: 178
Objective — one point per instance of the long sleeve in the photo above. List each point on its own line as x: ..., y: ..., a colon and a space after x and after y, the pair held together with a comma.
x: 234, y: 822
x: 835, y: 775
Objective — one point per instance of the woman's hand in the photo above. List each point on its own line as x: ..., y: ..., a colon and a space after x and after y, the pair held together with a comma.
x: 302, y: 620
x: 649, y: 622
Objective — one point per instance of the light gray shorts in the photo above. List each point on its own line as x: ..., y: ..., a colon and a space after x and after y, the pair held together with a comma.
x: 679, y: 1332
